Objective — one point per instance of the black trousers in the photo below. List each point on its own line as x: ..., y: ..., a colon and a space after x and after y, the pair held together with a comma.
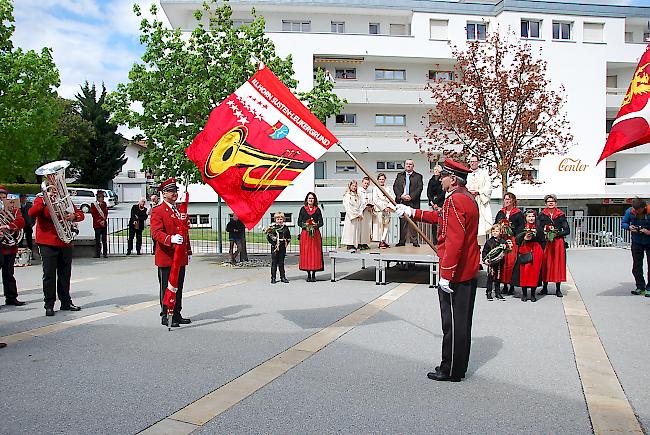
x: 28, y: 238
x: 138, y: 240
x: 457, y: 310
x: 638, y: 251
x: 163, y: 279
x: 406, y: 233
x: 277, y: 261
x: 100, y: 239
x: 8, y: 279
x: 57, y: 267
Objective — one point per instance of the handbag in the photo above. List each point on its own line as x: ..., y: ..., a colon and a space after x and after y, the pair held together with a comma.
x: 526, y: 257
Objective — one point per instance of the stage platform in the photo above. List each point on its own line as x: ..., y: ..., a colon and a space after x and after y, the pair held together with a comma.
x: 381, y: 259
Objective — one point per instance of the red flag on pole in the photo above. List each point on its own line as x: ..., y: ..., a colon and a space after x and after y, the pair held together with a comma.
x: 631, y: 127
x: 255, y: 143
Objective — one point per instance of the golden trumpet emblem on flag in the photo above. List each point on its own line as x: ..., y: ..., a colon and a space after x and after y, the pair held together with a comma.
x: 262, y: 170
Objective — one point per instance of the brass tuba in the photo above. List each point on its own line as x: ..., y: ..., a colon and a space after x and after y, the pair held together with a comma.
x: 8, y: 237
x: 57, y: 199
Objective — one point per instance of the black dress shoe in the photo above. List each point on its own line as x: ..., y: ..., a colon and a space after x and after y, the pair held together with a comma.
x: 400, y: 244
x: 416, y: 245
x: 284, y: 280
x: 3, y: 345
x: 49, y: 312
x: 15, y: 302
x: 95, y: 256
x: 182, y: 321
x: 273, y: 281
x: 71, y: 307
x: 440, y: 376
x: 105, y: 256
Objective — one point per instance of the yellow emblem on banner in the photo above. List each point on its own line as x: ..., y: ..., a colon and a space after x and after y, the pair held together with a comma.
x: 640, y: 84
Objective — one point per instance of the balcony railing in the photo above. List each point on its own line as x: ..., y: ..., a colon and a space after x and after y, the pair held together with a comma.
x: 379, y: 85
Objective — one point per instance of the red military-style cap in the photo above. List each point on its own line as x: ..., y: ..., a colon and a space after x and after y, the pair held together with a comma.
x: 169, y: 185
x: 3, y: 189
x: 450, y: 167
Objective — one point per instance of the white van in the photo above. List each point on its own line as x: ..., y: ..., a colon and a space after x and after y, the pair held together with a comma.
x: 83, y: 197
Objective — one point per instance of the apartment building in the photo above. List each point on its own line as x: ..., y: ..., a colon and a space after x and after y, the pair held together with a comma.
x: 382, y: 53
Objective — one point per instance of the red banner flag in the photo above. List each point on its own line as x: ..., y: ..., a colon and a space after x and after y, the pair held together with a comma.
x: 631, y: 127
x: 255, y: 143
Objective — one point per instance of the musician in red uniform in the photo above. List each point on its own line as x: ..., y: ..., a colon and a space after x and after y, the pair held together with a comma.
x: 9, y: 253
x: 165, y: 219
x: 99, y: 212
x: 459, y: 256
x: 56, y: 256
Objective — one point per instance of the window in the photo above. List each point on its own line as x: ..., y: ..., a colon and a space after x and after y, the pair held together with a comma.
x: 343, y: 166
x: 398, y: 29
x: 390, y: 74
x: 338, y: 27
x: 287, y: 217
x: 646, y: 37
x: 438, y: 29
x: 441, y: 75
x: 390, y: 165
x: 374, y: 28
x: 130, y: 173
x: 296, y: 26
x: 629, y: 37
x: 199, y: 220
x: 609, y: 123
x: 345, y: 73
x: 530, y: 28
x: 83, y: 193
x: 561, y: 31
x: 346, y: 119
x: 532, y: 172
x: 320, y: 170
x: 610, y: 169
x: 593, y: 32
x: 476, y: 31
x: 237, y: 23
x: 612, y: 82
x: 390, y: 120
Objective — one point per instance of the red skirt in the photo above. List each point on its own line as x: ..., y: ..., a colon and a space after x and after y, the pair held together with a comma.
x: 529, y: 273
x: 311, y: 251
x: 509, y: 263
x: 554, y: 265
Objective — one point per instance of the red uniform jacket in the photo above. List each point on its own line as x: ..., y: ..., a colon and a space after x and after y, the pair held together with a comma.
x: 45, y: 230
x: 458, y: 248
x: 97, y: 218
x: 17, y: 224
x: 164, y: 224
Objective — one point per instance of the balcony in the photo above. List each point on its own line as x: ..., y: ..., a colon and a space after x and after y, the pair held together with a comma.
x: 383, y: 92
x: 615, y: 97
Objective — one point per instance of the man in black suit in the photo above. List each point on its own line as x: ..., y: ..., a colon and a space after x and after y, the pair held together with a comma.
x: 408, y: 188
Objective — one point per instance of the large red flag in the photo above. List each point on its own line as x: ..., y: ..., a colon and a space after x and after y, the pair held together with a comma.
x: 632, y: 125
x: 255, y: 143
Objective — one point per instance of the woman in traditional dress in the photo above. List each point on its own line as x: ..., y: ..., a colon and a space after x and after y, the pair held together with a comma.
x: 527, y: 272
x: 310, y: 219
x: 365, y: 194
x: 353, y: 206
x: 512, y: 222
x: 555, y: 226
x: 382, y: 209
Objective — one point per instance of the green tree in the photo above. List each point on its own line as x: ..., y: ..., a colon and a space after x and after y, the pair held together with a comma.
x: 77, y: 133
x: 321, y: 100
x: 105, y: 154
x: 29, y: 110
x: 182, y: 78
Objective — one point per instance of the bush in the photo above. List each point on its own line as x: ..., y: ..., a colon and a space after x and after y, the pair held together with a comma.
x: 28, y: 189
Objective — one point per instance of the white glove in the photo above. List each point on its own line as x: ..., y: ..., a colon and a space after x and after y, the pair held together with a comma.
x: 404, y: 210
x: 443, y: 284
x: 177, y: 239
x: 189, y: 259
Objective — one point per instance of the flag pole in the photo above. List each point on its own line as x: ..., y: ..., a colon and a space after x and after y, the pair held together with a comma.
x: 390, y: 198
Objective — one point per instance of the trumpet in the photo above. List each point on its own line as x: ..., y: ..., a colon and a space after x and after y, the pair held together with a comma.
x: 262, y: 169
x: 8, y: 237
x: 57, y: 199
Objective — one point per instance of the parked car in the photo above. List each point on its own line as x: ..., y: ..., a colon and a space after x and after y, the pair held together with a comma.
x: 109, y: 198
x: 82, y: 197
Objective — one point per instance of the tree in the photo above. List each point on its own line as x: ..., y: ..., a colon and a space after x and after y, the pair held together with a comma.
x: 321, y: 100
x: 500, y: 108
x: 29, y: 111
x: 105, y: 154
x: 77, y: 133
x: 182, y: 78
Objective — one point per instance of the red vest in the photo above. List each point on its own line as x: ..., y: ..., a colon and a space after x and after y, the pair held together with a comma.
x: 45, y: 230
x: 97, y: 218
x: 164, y: 224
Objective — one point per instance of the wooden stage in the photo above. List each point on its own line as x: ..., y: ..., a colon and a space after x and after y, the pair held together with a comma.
x: 381, y: 259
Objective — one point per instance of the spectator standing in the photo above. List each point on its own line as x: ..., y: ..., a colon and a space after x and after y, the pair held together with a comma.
x: 29, y: 223
x: 528, y: 268
x: 435, y: 194
x: 555, y: 226
x: 383, y: 207
x: 637, y: 221
x: 235, y: 229
x: 512, y: 222
x: 365, y: 194
x: 494, y: 267
x: 137, y: 221
x: 354, y: 207
x: 407, y: 188
x: 99, y: 212
x: 310, y: 219
x: 479, y: 184
x: 279, y: 237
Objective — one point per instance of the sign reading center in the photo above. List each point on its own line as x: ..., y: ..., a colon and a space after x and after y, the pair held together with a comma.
x: 568, y: 164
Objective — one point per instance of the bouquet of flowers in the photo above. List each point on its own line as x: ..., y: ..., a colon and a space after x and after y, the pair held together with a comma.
x: 505, y: 227
x: 530, y: 230
x: 311, y: 226
x: 550, y: 232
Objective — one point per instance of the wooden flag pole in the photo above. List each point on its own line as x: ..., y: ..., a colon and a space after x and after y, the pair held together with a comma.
x: 390, y: 198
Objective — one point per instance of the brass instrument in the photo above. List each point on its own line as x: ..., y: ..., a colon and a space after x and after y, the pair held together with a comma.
x: 57, y: 199
x: 232, y: 150
x: 8, y: 237
x: 496, y: 254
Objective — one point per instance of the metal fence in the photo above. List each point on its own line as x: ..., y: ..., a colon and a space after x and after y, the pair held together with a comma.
x: 588, y: 231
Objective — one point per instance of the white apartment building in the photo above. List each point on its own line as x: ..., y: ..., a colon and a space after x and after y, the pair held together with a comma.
x: 382, y: 53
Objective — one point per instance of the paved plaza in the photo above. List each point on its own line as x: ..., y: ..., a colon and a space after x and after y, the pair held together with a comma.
x: 344, y: 357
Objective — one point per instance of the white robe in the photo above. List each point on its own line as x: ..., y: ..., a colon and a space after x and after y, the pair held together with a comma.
x: 381, y: 219
x: 351, y: 235
x: 480, y: 181
x: 366, y: 223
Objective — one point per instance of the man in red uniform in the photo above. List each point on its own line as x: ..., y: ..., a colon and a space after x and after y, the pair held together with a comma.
x: 165, y: 220
x: 99, y: 212
x: 9, y: 253
x: 459, y: 258
x: 56, y: 256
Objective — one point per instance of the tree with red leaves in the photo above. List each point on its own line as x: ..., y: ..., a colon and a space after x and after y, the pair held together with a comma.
x: 500, y: 107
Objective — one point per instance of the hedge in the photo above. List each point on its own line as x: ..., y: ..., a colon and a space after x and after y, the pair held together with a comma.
x: 33, y: 188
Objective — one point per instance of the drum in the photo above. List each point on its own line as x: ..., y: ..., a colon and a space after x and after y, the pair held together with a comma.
x: 23, y: 257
